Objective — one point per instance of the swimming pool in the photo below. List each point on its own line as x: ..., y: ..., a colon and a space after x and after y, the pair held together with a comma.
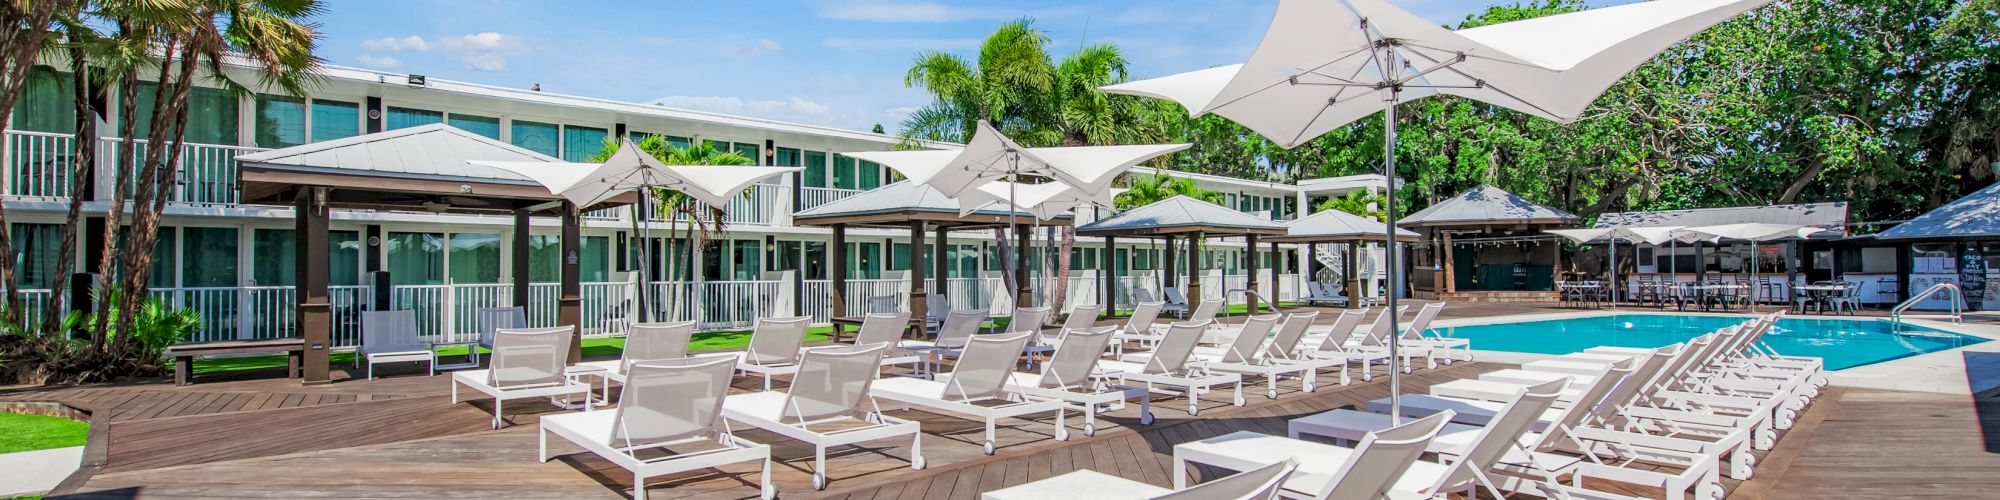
x: 1844, y: 343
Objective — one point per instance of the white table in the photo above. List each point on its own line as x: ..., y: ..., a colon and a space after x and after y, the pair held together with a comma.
x: 1318, y: 463
x: 1083, y: 483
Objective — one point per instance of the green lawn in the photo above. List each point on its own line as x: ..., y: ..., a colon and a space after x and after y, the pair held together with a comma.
x: 20, y: 432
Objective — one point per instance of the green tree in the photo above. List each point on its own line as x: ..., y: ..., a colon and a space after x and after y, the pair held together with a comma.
x: 1146, y: 190
x: 705, y: 223
x: 1362, y: 203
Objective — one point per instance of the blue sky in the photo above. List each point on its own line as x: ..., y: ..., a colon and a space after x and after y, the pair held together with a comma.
x: 837, y: 63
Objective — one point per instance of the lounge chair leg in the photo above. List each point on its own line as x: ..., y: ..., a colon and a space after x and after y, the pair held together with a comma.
x: 819, y: 468
x: 638, y: 487
x: 543, y: 453
x: 496, y: 413
x: 989, y: 437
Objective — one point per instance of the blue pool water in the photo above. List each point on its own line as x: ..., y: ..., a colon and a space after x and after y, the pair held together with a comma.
x: 1843, y: 343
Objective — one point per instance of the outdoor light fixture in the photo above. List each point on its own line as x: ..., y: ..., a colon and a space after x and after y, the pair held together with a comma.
x: 417, y: 80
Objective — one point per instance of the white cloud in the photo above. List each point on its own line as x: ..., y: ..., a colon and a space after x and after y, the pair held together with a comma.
x: 379, y: 62
x: 411, y: 43
x: 486, y: 51
x: 900, y: 43
x: 794, y: 109
x: 762, y: 46
x: 891, y: 11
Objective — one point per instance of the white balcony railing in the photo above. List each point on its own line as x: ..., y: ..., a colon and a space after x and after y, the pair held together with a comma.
x: 38, y: 164
x: 811, y: 197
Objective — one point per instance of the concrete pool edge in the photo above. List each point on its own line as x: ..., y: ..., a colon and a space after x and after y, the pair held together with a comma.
x: 1943, y: 372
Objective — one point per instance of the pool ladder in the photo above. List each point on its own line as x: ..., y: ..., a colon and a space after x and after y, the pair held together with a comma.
x: 1957, y: 303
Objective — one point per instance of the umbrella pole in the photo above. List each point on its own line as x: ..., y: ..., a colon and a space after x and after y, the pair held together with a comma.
x: 645, y: 250
x: 1751, y: 287
x: 1389, y: 253
x: 1614, y: 273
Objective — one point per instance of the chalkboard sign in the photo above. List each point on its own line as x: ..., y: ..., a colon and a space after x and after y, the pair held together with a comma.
x: 1972, y: 274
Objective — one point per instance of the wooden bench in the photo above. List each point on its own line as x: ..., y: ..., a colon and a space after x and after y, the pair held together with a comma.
x: 184, y: 354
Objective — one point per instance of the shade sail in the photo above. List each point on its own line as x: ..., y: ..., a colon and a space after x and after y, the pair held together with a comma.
x: 991, y: 156
x: 1180, y: 214
x: 1046, y: 200
x: 1335, y: 225
x: 1754, y: 231
x: 1647, y: 235
x: 1319, y: 66
x: 586, y: 184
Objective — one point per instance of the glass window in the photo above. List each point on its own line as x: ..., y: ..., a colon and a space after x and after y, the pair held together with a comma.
x: 580, y: 143
x: 594, y: 263
x: 36, y: 248
x: 968, y: 261
x: 343, y: 258
x: 415, y: 258
x: 211, y: 257
x: 411, y: 117
x: 786, y: 157
x: 992, y: 258
x: 815, y: 174
x: 816, y: 260
x: 789, y: 253
x: 281, y: 121
x: 475, y: 258
x: 164, y: 248
x: 335, y: 120
x: 544, y: 258
x: 211, y: 114
x: 843, y: 173
x: 271, y: 257
x: 744, y: 260
x: 871, y: 175
x: 752, y: 151
x: 538, y: 137
x: 482, y: 125
x: 1120, y: 262
x: 680, y: 142
x: 899, y: 256
x: 45, y: 103
x: 864, y: 261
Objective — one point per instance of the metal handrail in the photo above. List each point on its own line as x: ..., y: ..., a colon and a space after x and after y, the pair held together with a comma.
x: 1247, y: 293
x: 1957, y: 303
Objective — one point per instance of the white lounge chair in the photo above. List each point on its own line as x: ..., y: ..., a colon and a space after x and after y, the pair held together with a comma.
x: 1472, y: 451
x: 1250, y: 353
x: 391, y: 337
x: 957, y: 330
x: 887, y: 328
x: 1419, y: 333
x: 492, y: 320
x: 527, y: 363
x: 647, y: 342
x: 1169, y: 366
x: 775, y: 344
x: 1257, y: 484
x: 1321, y: 294
x: 1332, y: 346
x: 1030, y: 320
x: 1067, y: 377
x: 828, y: 404
x: 1139, y: 327
x: 1383, y: 461
x: 1376, y: 341
x: 1173, y: 300
x: 673, y: 403
x: 978, y: 385
x: 1371, y: 345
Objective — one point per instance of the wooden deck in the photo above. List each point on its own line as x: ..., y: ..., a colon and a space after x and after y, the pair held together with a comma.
x: 400, y: 437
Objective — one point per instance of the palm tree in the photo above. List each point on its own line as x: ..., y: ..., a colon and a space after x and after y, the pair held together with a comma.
x: 704, y: 222
x: 1360, y: 203
x: 274, y: 39
x: 1151, y: 189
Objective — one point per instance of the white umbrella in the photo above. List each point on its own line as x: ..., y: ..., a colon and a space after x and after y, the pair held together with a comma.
x: 991, y: 156
x: 1325, y: 63
x: 1752, y: 232
x: 632, y: 170
x: 1046, y: 200
x: 1647, y: 235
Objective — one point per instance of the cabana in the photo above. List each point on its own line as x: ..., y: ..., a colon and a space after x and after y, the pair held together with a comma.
x: 1194, y: 220
x: 1334, y: 226
x: 916, y: 207
x: 1949, y: 244
x: 1486, y: 244
x: 418, y: 168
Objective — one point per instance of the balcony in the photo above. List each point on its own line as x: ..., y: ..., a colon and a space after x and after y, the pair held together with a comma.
x: 38, y: 167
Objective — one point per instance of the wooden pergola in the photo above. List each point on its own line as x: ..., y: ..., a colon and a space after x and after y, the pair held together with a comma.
x: 918, y: 208
x: 413, y: 169
x: 1338, y: 227
x: 1189, y: 218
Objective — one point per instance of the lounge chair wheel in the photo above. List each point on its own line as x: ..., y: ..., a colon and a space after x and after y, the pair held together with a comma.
x: 1193, y: 410
x: 1271, y: 393
x: 1146, y: 419
x: 769, y: 492
x: 1709, y: 491
x: 1091, y: 430
x: 1240, y: 402
x: 917, y: 463
x: 987, y: 448
x: 819, y: 482
x: 1062, y: 434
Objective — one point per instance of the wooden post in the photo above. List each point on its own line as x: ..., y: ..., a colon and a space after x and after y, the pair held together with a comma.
x: 1194, y: 270
x: 919, y: 308
x: 1107, y: 275
x: 941, y: 263
x: 1353, y: 285
x: 1447, y: 281
x: 521, y: 258
x: 839, y: 268
x: 1277, y: 285
x: 1250, y: 274
x: 1024, y: 296
x: 569, y: 306
x: 1167, y: 264
x: 315, y: 311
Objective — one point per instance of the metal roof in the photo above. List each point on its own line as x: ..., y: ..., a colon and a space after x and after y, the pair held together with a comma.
x: 1180, y: 214
x: 1487, y: 205
x: 898, y: 197
x: 1335, y: 225
x: 1977, y: 215
x: 430, y: 152
x: 1831, y: 218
